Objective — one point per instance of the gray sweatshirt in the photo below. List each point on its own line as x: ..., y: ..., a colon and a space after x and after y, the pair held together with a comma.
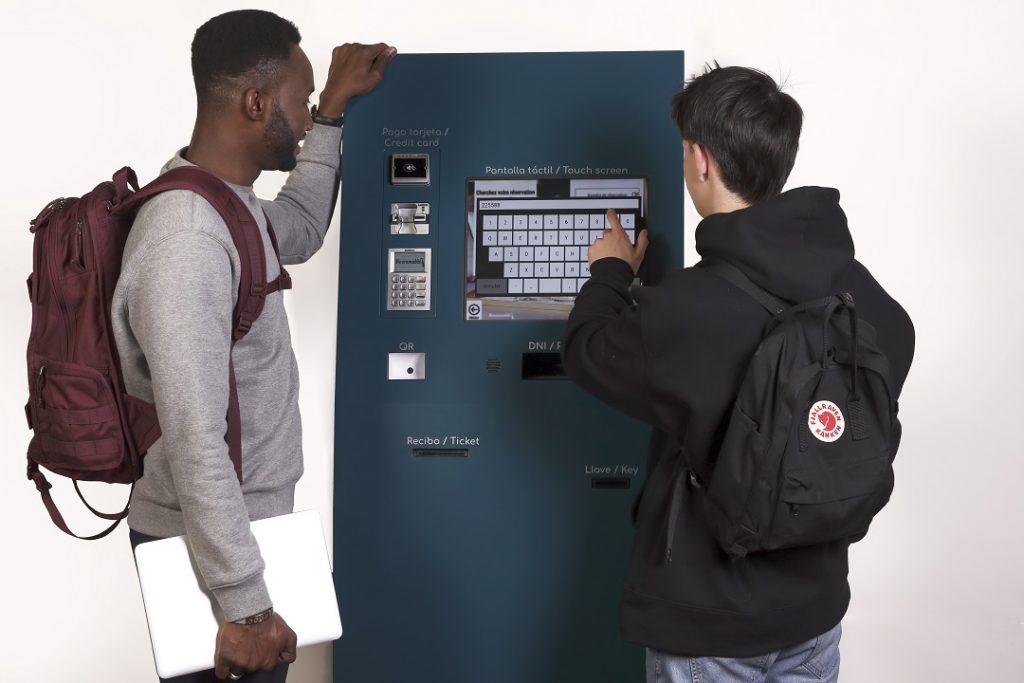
x: 172, y: 319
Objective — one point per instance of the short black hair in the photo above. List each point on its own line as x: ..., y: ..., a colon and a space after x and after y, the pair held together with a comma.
x: 750, y: 127
x: 242, y: 42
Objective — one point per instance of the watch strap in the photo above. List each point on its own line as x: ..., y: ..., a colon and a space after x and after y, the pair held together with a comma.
x: 258, y: 618
x: 336, y: 122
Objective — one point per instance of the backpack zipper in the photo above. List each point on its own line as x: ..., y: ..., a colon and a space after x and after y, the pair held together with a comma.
x: 679, y: 479
x: 79, y: 254
x: 44, y: 215
x: 80, y: 262
x: 40, y: 381
x: 58, y: 292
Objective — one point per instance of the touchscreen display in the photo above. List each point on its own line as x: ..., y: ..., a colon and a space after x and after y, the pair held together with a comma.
x: 527, y: 241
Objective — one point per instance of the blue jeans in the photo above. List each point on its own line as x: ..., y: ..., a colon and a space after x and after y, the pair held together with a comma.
x: 815, y: 661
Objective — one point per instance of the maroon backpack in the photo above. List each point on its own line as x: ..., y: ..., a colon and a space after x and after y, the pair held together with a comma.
x: 85, y: 426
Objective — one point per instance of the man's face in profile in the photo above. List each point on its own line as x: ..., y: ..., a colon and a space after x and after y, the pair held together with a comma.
x: 289, y: 118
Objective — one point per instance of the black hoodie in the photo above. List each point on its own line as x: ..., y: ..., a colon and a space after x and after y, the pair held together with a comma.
x: 674, y: 355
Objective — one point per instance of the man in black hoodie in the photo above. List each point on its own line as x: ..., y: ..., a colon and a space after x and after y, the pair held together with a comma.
x: 674, y: 355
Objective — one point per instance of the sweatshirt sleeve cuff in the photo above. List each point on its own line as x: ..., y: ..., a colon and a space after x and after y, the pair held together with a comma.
x: 613, y: 271
x: 244, y: 599
x: 323, y: 145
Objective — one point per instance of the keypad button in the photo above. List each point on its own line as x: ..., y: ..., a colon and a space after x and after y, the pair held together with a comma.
x: 550, y: 286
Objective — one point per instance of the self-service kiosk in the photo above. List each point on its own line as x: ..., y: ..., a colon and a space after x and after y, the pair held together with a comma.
x: 482, y: 501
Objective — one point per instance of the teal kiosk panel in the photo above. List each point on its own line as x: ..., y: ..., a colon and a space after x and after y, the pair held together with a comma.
x: 482, y: 501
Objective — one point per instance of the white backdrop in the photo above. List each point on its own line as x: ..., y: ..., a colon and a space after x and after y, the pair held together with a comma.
x: 913, y: 110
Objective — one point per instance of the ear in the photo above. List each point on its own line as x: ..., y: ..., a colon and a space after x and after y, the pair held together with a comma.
x: 255, y: 104
x: 702, y: 160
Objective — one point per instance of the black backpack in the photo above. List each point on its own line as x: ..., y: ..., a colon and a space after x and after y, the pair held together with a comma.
x: 808, y: 450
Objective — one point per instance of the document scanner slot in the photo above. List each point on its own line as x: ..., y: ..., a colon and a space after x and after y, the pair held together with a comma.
x: 543, y: 365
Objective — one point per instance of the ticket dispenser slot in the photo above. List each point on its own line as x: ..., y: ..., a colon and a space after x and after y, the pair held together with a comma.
x: 482, y: 504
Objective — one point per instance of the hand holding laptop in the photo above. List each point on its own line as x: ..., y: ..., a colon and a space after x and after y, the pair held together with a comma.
x: 244, y: 648
x: 185, y: 623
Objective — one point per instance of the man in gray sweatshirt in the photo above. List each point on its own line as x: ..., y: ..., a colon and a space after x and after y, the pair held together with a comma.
x: 173, y: 309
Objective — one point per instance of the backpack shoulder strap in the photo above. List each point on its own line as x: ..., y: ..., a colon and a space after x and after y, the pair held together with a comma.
x: 252, y: 286
x: 732, y: 274
x: 240, y: 223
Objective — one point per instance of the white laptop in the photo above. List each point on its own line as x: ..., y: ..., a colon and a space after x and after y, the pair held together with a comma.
x: 183, y: 615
